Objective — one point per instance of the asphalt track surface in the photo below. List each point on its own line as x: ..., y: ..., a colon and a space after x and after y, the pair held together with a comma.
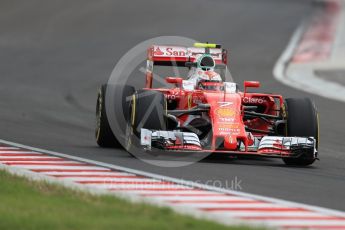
x: 55, y: 54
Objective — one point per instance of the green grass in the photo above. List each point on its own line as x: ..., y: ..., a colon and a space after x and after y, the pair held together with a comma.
x: 26, y: 204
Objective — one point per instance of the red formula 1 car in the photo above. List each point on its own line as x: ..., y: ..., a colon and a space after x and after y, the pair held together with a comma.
x: 202, y: 110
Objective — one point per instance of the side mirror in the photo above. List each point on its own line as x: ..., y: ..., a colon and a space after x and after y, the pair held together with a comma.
x: 251, y: 84
x: 174, y: 80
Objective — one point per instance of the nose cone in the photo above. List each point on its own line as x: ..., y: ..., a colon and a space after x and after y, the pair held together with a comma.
x: 230, y: 142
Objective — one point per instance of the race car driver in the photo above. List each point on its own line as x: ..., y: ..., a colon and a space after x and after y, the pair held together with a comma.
x: 204, y: 71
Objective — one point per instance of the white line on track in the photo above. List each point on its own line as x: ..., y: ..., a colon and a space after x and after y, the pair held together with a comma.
x: 28, y: 157
x: 17, y: 151
x: 220, y: 205
x: 57, y: 167
x: 110, y: 180
x: 53, y: 162
x: 202, y: 198
x: 88, y: 173
x: 7, y: 148
x: 183, y: 191
x: 273, y: 214
x: 133, y: 186
x: 307, y: 223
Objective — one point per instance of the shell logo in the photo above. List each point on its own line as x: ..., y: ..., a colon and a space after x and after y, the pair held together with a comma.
x: 225, y: 112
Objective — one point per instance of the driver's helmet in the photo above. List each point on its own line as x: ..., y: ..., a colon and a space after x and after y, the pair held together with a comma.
x: 205, y: 76
x: 206, y: 62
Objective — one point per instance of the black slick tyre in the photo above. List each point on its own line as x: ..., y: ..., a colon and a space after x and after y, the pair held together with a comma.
x: 104, y: 134
x: 302, y: 121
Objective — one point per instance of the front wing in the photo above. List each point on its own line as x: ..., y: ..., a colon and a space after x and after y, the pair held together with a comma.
x: 268, y: 146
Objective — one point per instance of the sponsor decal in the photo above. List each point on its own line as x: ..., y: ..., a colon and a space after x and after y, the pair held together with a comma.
x: 226, y: 119
x: 185, y: 52
x: 158, y: 52
x: 170, y: 51
x: 225, y: 103
x: 229, y: 131
x: 229, y: 128
x: 188, y: 85
x: 254, y: 100
x: 197, y: 99
x: 225, y: 112
x: 172, y: 96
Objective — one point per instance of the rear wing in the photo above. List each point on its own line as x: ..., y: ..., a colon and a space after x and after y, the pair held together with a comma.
x: 168, y: 55
x: 179, y: 55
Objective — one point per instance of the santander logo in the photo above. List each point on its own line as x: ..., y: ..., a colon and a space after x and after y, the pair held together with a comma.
x: 158, y: 52
x: 170, y: 51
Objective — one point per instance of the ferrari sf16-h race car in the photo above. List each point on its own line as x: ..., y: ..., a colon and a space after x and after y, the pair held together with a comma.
x: 206, y: 112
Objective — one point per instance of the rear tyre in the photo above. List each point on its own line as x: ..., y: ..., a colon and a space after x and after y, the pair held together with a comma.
x: 104, y: 134
x: 302, y: 121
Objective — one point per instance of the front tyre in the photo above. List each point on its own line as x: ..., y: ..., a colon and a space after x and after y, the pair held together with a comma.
x: 302, y: 121
x: 148, y: 110
x: 104, y: 134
